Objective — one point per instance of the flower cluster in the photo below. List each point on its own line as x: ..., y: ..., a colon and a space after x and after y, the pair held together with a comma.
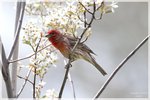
x: 67, y: 16
x: 70, y: 17
x: 34, y: 37
x: 51, y: 94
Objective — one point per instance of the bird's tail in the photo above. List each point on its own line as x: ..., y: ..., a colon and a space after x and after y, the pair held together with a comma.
x: 99, y: 67
x: 93, y: 62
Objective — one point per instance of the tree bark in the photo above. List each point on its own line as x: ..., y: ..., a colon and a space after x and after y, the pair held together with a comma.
x: 5, y: 70
x: 15, y: 53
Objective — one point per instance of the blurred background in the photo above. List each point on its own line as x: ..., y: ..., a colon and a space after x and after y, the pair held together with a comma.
x: 113, y: 38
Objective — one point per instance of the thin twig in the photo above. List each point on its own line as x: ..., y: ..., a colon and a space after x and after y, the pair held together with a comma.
x: 34, y: 81
x: 85, y: 23
x: 25, y: 79
x: 36, y: 50
x: 94, y: 5
x: 72, y: 85
x: 24, y: 84
x: 102, y: 4
x: 34, y: 84
x: 120, y: 66
x: 65, y: 79
x: 85, y: 39
x: 12, y: 61
x: 69, y: 61
x: 85, y: 8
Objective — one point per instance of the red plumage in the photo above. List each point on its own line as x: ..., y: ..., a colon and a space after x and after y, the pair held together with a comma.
x: 66, y: 43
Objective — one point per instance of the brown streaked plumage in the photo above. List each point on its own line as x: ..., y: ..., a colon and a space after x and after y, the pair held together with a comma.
x: 65, y: 44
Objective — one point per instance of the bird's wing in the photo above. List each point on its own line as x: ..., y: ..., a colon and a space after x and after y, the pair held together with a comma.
x: 85, y: 48
x: 81, y: 46
x: 71, y: 39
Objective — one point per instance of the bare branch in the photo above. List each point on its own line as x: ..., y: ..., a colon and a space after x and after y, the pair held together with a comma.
x: 12, y: 61
x: 72, y: 85
x: 5, y: 63
x: 69, y: 61
x: 34, y: 81
x: 65, y: 78
x: 94, y: 5
x: 120, y: 66
x: 17, y: 30
x: 101, y: 15
x: 5, y: 70
x: 34, y: 84
x: 25, y: 81
x: 16, y: 50
x: 85, y: 8
x: 102, y: 4
x: 85, y: 39
x: 36, y: 50
x: 85, y: 23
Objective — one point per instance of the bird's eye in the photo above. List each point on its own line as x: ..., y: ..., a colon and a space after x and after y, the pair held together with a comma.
x: 52, y: 33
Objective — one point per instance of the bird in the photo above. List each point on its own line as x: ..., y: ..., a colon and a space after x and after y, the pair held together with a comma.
x: 65, y: 44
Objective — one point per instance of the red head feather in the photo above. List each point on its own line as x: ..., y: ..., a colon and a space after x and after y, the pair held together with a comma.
x: 56, y: 38
x: 53, y: 36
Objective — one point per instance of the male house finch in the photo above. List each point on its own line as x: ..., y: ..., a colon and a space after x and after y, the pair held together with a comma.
x: 65, y: 45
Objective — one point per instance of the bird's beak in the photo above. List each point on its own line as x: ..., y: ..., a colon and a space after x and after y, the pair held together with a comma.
x: 48, y: 35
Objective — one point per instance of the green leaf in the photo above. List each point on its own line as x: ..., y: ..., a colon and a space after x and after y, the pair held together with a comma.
x: 26, y: 42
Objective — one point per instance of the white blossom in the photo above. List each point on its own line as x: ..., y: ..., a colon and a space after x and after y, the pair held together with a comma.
x: 51, y: 94
x: 42, y: 83
x: 113, y: 5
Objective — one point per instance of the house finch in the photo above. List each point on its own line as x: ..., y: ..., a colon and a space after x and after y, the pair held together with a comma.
x: 65, y: 44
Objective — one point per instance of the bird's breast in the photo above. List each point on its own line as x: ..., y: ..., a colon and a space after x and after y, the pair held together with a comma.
x: 63, y: 47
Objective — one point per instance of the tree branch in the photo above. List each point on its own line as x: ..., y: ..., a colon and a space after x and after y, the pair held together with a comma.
x: 12, y: 61
x: 17, y: 30
x: 5, y: 70
x: 65, y: 78
x: 77, y: 42
x: 15, y: 53
x: 118, y: 68
x: 72, y: 85
x: 34, y: 81
x: 5, y: 63
x: 25, y: 81
x: 85, y: 8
